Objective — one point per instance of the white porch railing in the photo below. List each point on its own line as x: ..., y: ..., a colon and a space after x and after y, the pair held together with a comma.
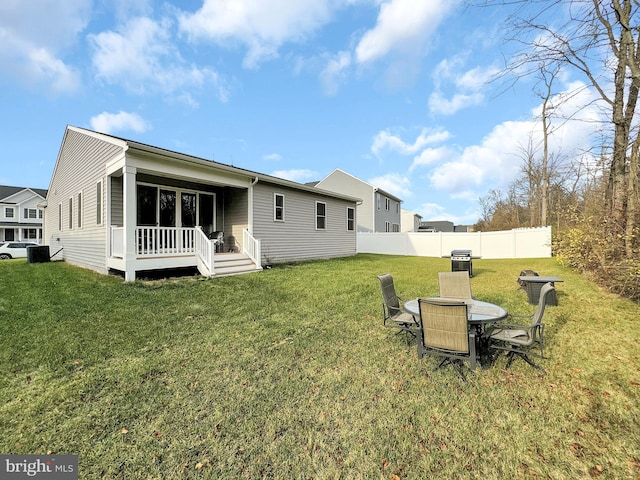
x: 205, y: 250
x: 165, y: 241
x: 251, y: 246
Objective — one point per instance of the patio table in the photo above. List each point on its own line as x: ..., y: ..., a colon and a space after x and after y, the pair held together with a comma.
x: 479, y: 314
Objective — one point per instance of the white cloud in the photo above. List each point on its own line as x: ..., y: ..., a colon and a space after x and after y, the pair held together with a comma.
x: 299, y: 176
x: 334, y: 71
x: 121, y: 121
x: 143, y: 58
x: 385, y: 140
x: 464, y: 88
x: 31, y: 44
x: 396, y: 184
x: 431, y: 156
x: 402, y: 25
x: 272, y: 157
x: 262, y: 27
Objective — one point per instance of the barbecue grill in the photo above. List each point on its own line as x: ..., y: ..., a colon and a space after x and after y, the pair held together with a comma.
x: 461, y: 261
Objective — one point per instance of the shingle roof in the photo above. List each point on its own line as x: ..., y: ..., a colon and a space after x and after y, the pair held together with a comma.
x: 7, y: 191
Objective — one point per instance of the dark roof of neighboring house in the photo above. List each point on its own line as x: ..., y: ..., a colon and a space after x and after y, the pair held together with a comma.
x: 7, y: 191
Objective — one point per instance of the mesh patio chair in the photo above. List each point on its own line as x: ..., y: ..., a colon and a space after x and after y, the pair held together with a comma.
x: 454, y: 284
x: 520, y: 340
x: 445, y: 332
x: 393, y: 314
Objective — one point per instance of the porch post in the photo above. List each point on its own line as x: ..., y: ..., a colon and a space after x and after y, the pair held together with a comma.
x: 129, y: 199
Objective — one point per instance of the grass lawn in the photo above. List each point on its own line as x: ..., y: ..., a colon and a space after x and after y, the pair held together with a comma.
x: 288, y: 373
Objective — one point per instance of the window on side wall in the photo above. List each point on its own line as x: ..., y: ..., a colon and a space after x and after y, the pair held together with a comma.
x: 387, y: 227
x: 278, y: 207
x: 351, y: 219
x: 321, y: 216
x: 60, y: 217
x: 70, y: 213
x: 387, y: 204
x: 8, y: 212
x: 80, y: 210
x: 99, y: 203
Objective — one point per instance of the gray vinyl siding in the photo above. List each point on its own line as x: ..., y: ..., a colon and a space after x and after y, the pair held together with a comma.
x: 236, y: 217
x: 80, y: 166
x: 297, y: 237
x: 392, y: 215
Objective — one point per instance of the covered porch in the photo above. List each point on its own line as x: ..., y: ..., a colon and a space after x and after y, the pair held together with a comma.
x: 162, y: 221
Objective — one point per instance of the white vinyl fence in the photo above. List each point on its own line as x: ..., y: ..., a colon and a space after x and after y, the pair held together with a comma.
x: 518, y: 243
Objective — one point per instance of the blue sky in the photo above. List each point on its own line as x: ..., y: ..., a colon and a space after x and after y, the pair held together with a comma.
x: 395, y: 92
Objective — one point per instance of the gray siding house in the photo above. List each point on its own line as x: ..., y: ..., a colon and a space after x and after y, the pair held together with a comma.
x: 118, y: 205
x: 379, y: 211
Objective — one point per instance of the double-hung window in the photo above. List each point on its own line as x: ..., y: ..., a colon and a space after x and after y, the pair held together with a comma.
x: 278, y: 207
x: 8, y: 212
x: 351, y: 219
x: 321, y: 216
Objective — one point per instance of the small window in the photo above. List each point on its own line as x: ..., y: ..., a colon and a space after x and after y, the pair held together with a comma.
x: 321, y: 216
x: 378, y: 201
x: 8, y: 212
x: 79, y: 210
x: 99, y: 203
x: 387, y: 204
x: 278, y: 207
x: 351, y: 219
x: 70, y: 213
x: 40, y: 213
x: 387, y: 226
x: 60, y: 217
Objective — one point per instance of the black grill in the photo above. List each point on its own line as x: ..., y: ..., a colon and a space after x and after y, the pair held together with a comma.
x: 461, y: 261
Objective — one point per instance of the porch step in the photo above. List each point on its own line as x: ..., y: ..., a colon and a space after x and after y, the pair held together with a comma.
x: 233, y: 264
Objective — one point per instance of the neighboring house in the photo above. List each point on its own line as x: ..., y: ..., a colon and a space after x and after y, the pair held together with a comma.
x: 410, y: 222
x: 443, y: 226
x: 437, y: 226
x: 21, y: 213
x: 379, y: 211
x: 119, y: 205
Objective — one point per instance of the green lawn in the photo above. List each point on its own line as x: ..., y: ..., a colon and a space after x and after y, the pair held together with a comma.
x: 288, y: 373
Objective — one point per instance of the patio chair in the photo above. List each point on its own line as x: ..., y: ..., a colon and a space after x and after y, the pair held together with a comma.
x: 454, y: 284
x: 393, y: 314
x: 519, y: 340
x: 445, y: 332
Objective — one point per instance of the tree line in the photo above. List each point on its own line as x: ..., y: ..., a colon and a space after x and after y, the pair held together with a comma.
x: 592, y: 199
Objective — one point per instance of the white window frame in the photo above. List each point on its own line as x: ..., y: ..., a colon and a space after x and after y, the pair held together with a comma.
x: 60, y: 217
x: 318, y: 216
x: 9, y: 212
x: 79, y: 209
x: 387, y: 204
x: 352, y: 219
x: 276, y: 207
x: 99, y: 203
x: 70, y: 213
x: 387, y: 226
x: 378, y: 201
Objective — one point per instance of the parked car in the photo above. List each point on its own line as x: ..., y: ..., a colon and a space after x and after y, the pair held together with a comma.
x: 14, y: 249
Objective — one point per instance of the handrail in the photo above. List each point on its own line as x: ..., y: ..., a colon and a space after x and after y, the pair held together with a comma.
x: 252, y: 247
x: 205, y: 250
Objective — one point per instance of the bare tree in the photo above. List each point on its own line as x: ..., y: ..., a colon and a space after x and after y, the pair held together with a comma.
x: 601, y: 41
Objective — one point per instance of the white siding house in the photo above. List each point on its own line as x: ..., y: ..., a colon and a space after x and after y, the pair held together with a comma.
x: 410, y: 221
x: 21, y: 214
x: 379, y: 211
x: 118, y: 205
